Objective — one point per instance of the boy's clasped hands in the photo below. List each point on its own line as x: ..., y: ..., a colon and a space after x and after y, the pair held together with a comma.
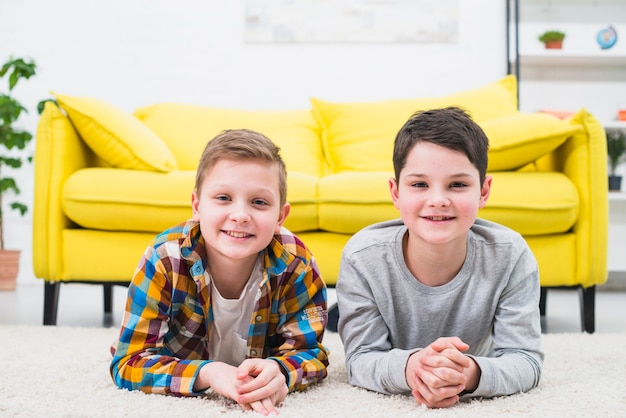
x: 438, y: 373
x: 257, y: 384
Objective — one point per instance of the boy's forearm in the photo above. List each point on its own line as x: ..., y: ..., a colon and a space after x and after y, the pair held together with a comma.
x: 303, y: 368
x: 472, y: 376
x: 157, y: 374
x: 202, y: 381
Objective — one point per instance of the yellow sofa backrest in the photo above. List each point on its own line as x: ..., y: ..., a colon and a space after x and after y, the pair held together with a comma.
x: 171, y: 136
x: 359, y: 136
x: 186, y: 129
x: 330, y: 138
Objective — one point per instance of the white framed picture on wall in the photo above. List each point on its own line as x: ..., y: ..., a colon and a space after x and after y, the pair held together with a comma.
x: 358, y: 21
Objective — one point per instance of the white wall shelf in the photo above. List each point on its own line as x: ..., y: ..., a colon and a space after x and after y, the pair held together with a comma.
x: 582, y: 74
x: 617, y: 196
x: 614, y: 124
x: 576, y: 58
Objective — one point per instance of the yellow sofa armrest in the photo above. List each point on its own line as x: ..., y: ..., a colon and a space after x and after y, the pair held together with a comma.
x: 583, y: 158
x: 59, y: 152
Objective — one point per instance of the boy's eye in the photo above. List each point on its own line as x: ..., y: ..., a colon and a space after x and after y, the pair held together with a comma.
x: 458, y: 185
x: 222, y: 197
x: 419, y: 184
x: 259, y: 202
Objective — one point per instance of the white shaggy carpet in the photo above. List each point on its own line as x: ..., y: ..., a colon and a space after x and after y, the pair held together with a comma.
x: 63, y: 372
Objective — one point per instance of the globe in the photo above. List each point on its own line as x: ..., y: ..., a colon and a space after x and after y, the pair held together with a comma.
x: 607, y: 37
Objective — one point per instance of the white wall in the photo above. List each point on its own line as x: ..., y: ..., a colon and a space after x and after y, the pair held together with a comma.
x: 137, y: 52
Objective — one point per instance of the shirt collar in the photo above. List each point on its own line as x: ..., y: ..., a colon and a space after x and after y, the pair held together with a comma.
x: 276, y: 257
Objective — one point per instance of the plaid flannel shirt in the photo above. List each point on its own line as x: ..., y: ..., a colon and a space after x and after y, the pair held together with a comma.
x: 163, y: 341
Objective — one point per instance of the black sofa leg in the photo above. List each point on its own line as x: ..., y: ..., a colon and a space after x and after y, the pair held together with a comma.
x: 108, y: 298
x: 108, y: 305
x: 588, y: 308
x: 50, y: 302
x: 543, y: 299
x: 333, y: 318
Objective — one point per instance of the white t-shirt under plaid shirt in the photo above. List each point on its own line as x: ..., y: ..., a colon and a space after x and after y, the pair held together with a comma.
x: 228, y: 341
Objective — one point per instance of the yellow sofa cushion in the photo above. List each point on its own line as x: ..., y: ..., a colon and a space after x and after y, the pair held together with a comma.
x: 352, y: 200
x: 532, y: 203
x: 519, y: 139
x: 186, y: 129
x: 359, y: 136
x: 131, y: 200
x: 116, y: 137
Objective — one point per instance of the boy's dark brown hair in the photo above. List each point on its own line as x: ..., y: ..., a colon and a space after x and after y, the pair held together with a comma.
x: 450, y: 127
x: 239, y: 144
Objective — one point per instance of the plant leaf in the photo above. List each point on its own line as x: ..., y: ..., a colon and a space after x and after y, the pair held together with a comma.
x: 7, y: 184
x: 21, y: 208
x: 11, y: 161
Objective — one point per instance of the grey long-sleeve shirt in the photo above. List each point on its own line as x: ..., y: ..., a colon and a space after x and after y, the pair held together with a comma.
x: 492, y: 304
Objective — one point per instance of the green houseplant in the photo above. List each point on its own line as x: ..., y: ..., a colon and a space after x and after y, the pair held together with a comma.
x: 552, y: 39
x: 13, y: 141
x: 616, y: 148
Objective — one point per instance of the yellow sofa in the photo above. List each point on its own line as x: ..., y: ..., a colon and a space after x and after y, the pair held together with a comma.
x: 107, y: 181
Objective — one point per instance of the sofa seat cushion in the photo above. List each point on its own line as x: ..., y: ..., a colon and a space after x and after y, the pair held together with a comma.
x: 532, y: 203
x: 350, y: 201
x: 186, y: 129
x: 148, y: 201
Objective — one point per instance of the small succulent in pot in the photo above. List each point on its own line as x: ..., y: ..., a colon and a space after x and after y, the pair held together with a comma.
x: 553, y: 39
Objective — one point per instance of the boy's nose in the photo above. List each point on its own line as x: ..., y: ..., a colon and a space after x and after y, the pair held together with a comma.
x: 240, y: 213
x: 439, y: 198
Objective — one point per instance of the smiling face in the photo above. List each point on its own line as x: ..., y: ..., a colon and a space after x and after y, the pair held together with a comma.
x: 438, y: 194
x: 238, y: 205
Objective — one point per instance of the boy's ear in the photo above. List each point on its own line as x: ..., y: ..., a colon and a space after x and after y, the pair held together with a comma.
x: 485, y: 191
x: 195, y: 206
x: 284, y: 212
x: 393, y: 189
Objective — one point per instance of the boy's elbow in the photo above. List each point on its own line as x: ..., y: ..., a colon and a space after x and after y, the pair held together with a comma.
x: 115, y: 370
x: 538, y: 369
x: 116, y: 377
x: 533, y: 376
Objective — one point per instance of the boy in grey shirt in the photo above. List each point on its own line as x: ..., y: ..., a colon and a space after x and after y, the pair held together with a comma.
x: 440, y: 304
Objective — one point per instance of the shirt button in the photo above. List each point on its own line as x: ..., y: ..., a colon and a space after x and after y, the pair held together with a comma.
x: 259, y: 317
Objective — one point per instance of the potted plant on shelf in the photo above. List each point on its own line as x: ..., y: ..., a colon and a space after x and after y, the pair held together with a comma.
x: 616, y: 148
x: 13, y: 141
x: 552, y: 39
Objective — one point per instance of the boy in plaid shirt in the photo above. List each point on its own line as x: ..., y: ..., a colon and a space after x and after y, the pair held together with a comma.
x: 229, y: 300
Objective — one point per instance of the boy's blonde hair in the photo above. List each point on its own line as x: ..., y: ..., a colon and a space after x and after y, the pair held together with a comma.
x: 240, y: 144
